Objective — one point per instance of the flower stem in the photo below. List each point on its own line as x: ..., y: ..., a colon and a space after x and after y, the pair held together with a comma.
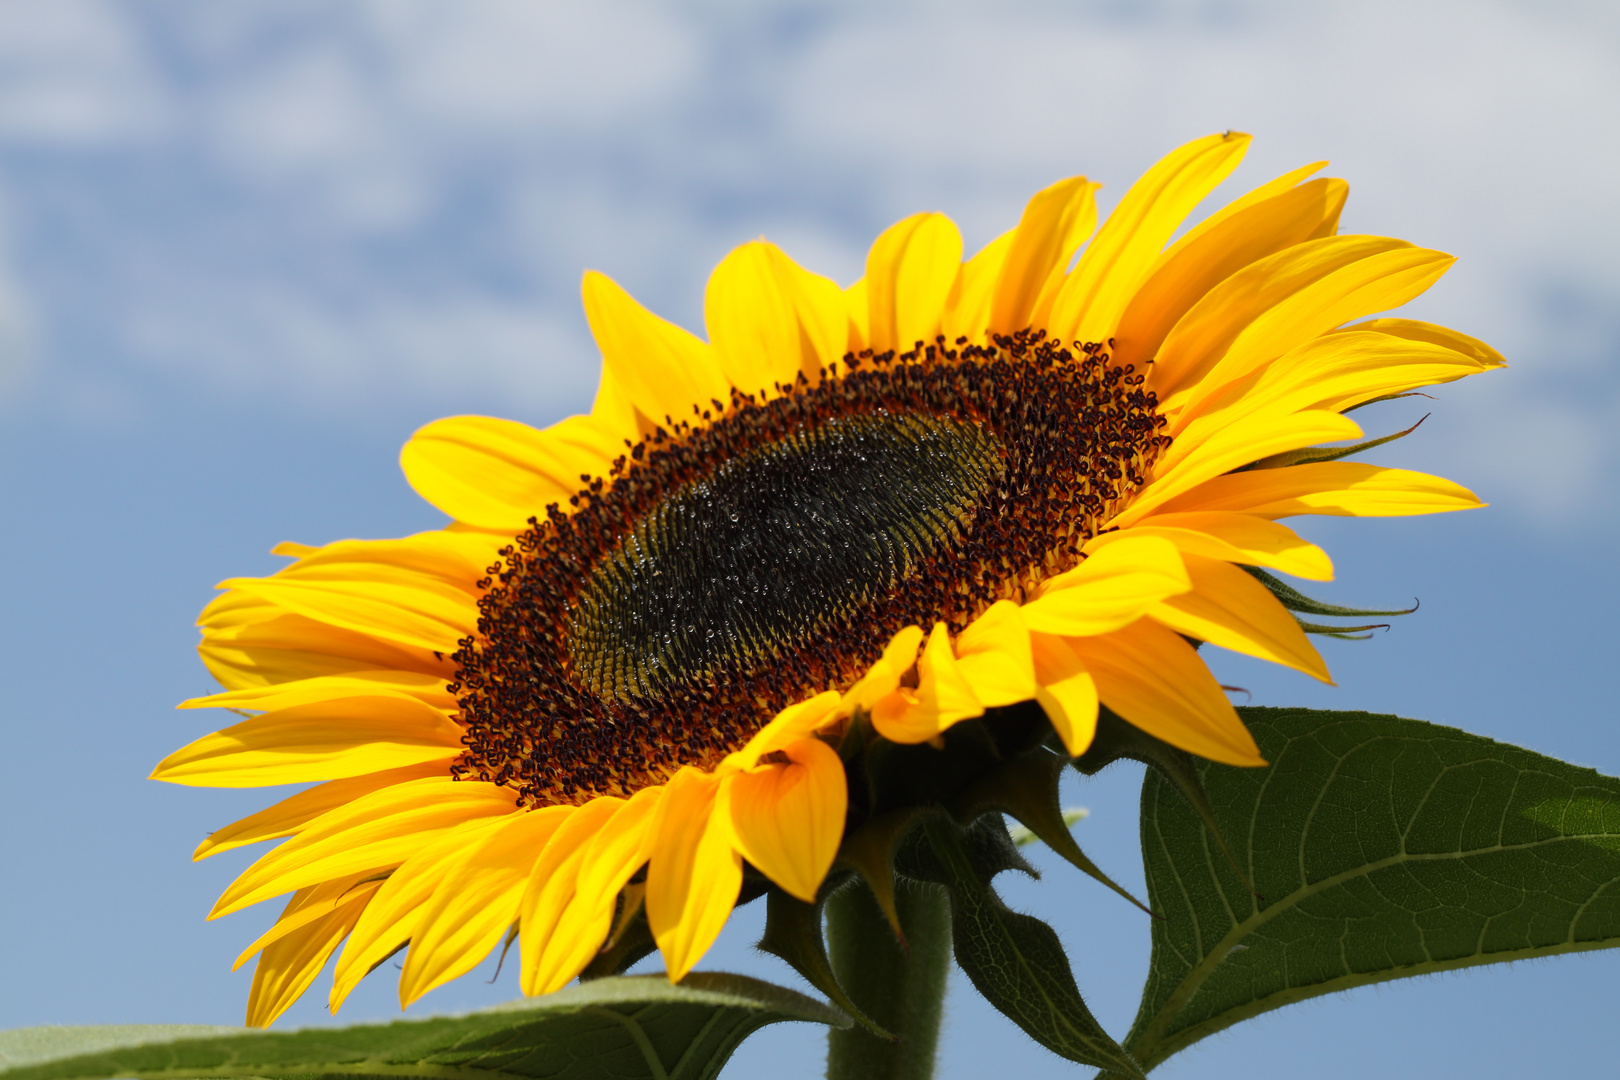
x: 901, y: 989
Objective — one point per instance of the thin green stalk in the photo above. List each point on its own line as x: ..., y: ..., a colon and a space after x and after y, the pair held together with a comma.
x: 901, y: 989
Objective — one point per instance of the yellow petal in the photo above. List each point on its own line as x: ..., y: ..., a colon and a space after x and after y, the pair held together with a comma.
x: 476, y: 901
x: 428, y: 689
x: 322, y: 740
x: 1245, y: 441
x: 289, y: 965
x: 942, y: 698
x: 883, y: 678
x: 1433, y: 334
x: 294, y: 812
x: 1114, y: 587
x: 662, y: 369
x: 1056, y: 221
x: 770, y: 320
x: 857, y: 306
x: 1271, y: 188
x: 496, y: 474
x: 993, y: 656
x: 786, y: 727
x: 450, y: 556
x: 567, y: 912
x: 910, y: 271
x: 420, y: 612
x: 1334, y: 488
x: 381, y: 829
x: 614, y: 412
x: 1229, y: 608
x: 1192, y: 268
x: 1090, y: 302
x: 789, y: 819
x: 1280, y: 302
x: 280, y: 647
x: 1067, y: 692
x: 392, y: 915
x: 1154, y: 679
x: 967, y: 312
x: 694, y: 874
x: 1239, y: 538
x: 310, y: 905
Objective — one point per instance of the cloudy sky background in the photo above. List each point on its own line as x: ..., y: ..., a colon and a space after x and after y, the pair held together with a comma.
x: 246, y: 248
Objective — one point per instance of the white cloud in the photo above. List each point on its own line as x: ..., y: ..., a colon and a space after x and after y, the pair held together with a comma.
x: 398, y: 197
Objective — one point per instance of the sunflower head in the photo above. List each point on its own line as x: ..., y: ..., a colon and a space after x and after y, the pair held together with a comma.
x: 865, y: 556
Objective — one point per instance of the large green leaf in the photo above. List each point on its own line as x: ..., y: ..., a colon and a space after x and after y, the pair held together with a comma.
x: 626, y: 1028
x: 1380, y: 848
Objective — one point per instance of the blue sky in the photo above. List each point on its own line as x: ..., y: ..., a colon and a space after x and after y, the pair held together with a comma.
x: 246, y: 248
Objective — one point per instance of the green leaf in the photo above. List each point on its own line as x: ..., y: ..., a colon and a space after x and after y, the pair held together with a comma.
x: 627, y: 1028
x: 1382, y: 848
x: 1016, y: 961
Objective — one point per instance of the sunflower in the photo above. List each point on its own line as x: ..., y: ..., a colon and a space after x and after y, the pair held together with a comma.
x: 617, y: 683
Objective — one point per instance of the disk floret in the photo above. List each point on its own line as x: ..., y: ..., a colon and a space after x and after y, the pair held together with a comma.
x: 768, y: 548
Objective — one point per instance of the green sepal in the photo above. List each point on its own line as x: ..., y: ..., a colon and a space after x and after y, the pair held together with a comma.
x: 1016, y: 961
x: 1344, y: 633
x: 899, y: 774
x: 1117, y: 738
x: 869, y: 851
x: 1311, y: 455
x: 1027, y: 788
x: 793, y: 934
x: 1294, y: 600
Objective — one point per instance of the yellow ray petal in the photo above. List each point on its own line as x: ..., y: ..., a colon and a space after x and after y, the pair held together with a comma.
x: 496, y: 474
x: 423, y: 613
x: 694, y: 874
x: 392, y: 915
x: 310, y: 905
x: 476, y: 901
x: 452, y: 557
x: 942, y: 697
x: 1192, y: 268
x: 552, y: 881
x: 1229, y: 608
x: 322, y: 740
x: 288, y: 966
x: 292, y: 813
x: 788, y: 726
x: 1333, y: 488
x: 858, y: 308
x: 1067, y: 692
x: 967, y: 312
x: 789, y: 818
x: 662, y: 369
x: 1277, y: 304
x: 279, y: 647
x: 883, y: 677
x: 1270, y: 189
x: 1239, y: 538
x: 1433, y: 334
x: 1154, y: 679
x: 771, y: 320
x: 1089, y: 304
x: 1114, y: 587
x: 1245, y: 441
x: 1336, y: 371
x: 381, y: 829
x: 571, y: 933
x: 428, y: 689
x: 613, y: 410
x: 910, y: 271
x: 993, y: 656
x: 1056, y: 221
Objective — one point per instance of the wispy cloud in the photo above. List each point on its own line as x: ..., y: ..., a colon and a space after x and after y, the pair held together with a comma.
x: 357, y: 205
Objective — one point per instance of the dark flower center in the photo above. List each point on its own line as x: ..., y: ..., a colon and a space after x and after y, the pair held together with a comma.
x: 766, y: 551
x: 745, y: 565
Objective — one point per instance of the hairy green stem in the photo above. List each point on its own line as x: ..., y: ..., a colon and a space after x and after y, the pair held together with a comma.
x: 901, y: 989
